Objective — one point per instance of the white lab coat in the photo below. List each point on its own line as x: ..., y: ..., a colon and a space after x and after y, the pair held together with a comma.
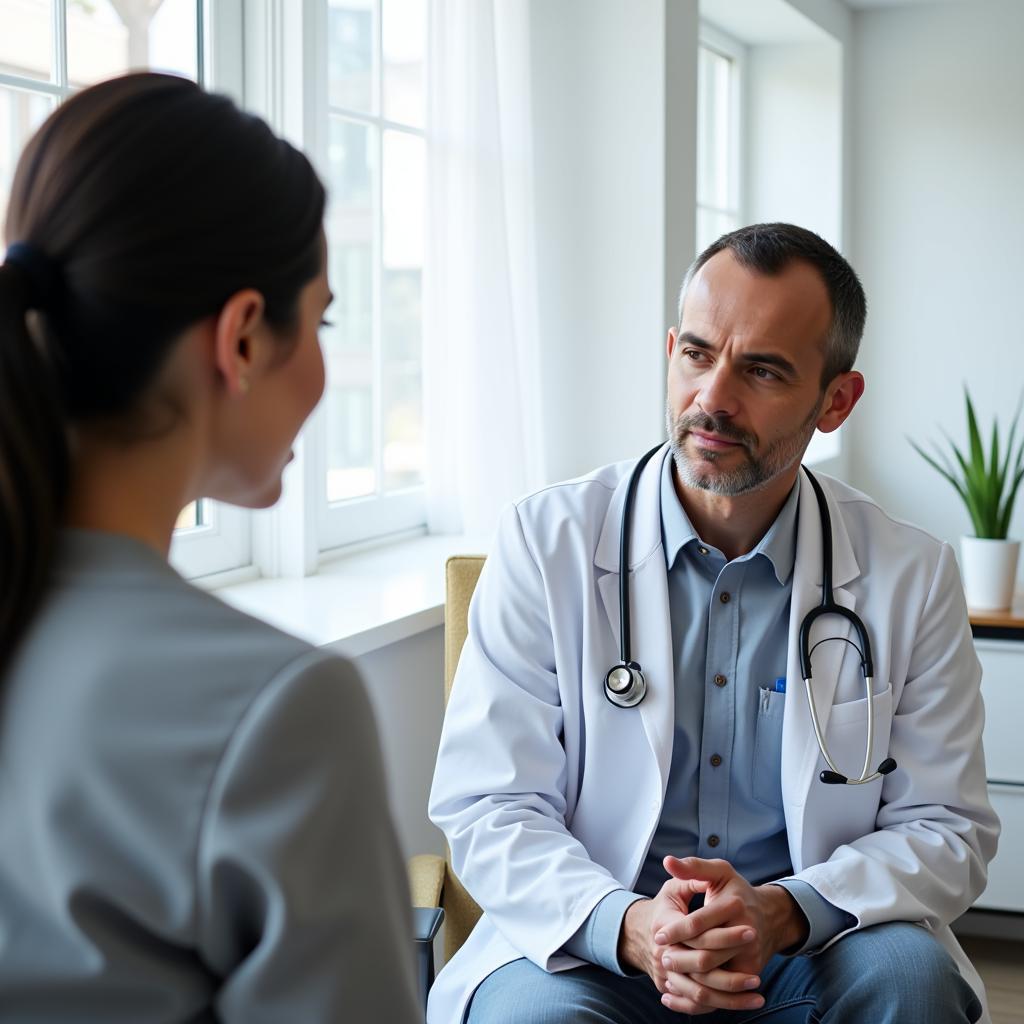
x: 549, y: 795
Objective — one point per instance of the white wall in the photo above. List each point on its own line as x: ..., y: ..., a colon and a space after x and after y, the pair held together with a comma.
x: 939, y: 174
x: 794, y: 136
x: 614, y: 229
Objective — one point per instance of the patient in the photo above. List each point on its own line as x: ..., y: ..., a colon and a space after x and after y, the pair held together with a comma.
x: 193, y: 820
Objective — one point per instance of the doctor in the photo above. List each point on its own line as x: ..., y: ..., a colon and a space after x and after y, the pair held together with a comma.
x: 682, y: 856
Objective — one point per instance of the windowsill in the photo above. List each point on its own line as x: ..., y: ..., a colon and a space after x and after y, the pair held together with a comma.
x: 361, y: 602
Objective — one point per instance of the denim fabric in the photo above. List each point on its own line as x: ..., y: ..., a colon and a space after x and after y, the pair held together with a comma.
x: 889, y: 974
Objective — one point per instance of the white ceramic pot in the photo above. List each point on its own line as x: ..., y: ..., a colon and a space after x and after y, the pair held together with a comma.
x: 990, y: 572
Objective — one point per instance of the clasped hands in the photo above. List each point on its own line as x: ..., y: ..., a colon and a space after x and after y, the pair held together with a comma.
x: 710, y: 958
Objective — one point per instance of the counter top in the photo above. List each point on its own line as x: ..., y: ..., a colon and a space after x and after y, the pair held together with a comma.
x: 1007, y: 624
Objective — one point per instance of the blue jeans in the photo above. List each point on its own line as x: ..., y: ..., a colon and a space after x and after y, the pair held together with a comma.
x: 889, y: 974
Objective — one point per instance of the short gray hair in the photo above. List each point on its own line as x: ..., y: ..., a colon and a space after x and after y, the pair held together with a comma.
x: 769, y: 249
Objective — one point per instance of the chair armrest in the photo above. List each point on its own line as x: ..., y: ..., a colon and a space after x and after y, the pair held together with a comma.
x: 426, y: 879
x: 426, y: 922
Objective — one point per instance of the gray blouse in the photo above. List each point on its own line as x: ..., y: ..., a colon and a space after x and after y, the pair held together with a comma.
x: 193, y: 820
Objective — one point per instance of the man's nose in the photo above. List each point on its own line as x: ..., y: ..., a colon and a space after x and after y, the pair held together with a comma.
x: 717, y: 395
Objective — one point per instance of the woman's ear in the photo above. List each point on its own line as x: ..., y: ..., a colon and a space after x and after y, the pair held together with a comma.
x: 235, y: 342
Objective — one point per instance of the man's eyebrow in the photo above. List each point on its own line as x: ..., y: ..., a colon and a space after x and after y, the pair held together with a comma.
x: 765, y: 358
x: 691, y: 339
x: 768, y: 359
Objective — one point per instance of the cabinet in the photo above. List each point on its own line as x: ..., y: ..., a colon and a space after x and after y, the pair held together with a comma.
x: 1000, y: 645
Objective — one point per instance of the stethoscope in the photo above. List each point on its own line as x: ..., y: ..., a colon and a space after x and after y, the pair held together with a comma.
x: 625, y: 686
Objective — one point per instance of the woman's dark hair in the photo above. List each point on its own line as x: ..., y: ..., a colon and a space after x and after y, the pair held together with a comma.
x: 138, y: 209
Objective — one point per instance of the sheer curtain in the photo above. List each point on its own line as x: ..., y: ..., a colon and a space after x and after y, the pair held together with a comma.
x: 481, y: 361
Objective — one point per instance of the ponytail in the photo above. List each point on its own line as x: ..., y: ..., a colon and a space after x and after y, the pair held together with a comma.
x: 34, y: 461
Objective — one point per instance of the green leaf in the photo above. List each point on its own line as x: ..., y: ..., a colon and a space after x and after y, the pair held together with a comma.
x: 987, y: 482
x: 977, y: 454
x: 941, y: 469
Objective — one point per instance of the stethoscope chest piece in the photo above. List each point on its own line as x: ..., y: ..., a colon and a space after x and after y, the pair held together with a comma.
x: 625, y: 685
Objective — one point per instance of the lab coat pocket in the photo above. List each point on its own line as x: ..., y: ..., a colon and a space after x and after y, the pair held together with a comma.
x: 851, y: 712
x: 766, y: 783
x: 847, y: 732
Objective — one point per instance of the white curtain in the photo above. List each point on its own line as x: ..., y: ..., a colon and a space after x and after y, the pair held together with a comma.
x: 481, y: 362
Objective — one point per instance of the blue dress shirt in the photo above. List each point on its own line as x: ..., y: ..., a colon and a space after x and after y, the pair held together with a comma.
x: 730, y: 630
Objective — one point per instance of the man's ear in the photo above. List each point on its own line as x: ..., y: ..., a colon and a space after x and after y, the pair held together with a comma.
x: 841, y: 396
x: 234, y: 342
x: 670, y: 343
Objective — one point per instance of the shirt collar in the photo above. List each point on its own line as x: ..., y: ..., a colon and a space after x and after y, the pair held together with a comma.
x: 778, y: 545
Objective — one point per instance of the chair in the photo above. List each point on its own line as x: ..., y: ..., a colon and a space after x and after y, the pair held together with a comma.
x: 434, y: 885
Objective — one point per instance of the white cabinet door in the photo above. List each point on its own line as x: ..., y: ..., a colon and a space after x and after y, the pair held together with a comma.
x: 1002, y: 686
x: 1006, y: 873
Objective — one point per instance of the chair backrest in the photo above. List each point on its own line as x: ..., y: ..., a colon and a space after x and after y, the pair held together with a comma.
x: 461, y: 574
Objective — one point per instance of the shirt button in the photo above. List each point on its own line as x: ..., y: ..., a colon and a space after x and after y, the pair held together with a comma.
x: 720, y: 680
x: 724, y: 597
x: 716, y: 760
x: 713, y: 841
x: 703, y: 551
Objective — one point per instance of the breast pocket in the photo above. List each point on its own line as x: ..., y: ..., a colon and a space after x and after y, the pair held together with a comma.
x: 766, y: 780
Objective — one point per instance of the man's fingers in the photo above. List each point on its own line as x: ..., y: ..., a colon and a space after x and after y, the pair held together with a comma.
x: 687, y: 995
x: 698, y: 867
x: 683, y: 960
x: 726, y: 981
x: 684, y: 929
x: 724, y: 938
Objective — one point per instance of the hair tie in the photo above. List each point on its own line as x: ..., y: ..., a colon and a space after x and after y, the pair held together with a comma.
x: 42, y: 273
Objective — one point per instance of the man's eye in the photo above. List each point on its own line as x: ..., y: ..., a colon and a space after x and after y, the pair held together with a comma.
x: 763, y: 374
x: 693, y: 354
x: 326, y: 323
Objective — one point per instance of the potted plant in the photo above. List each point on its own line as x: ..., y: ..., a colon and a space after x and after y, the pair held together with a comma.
x: 988, y: 488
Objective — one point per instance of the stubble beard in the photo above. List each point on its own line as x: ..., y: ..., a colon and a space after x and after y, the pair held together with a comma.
x: 758, y: 469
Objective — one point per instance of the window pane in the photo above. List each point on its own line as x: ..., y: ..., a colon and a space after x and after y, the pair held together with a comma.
x: 348, y: 345
x: 401, y: 284
x: 404, y: 38
x: 109, y: 37
x: 350, y: 54
x: 20, y: 114
x: 26, y: 38
x: 713, y: 129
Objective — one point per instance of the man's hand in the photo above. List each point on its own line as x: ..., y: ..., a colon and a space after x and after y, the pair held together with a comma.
x: 708, y: 960
x: 647, y: 918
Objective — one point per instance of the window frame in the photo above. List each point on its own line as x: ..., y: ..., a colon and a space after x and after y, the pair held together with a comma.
x: 357, y: 521
x: 712, y: 38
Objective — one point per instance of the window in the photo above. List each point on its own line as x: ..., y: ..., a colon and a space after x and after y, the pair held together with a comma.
x: 48, y: 48
x: 370, y: 465
x: 719, y: 200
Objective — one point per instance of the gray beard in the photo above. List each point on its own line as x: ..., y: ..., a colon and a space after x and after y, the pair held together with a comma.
x: 759, y: 469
